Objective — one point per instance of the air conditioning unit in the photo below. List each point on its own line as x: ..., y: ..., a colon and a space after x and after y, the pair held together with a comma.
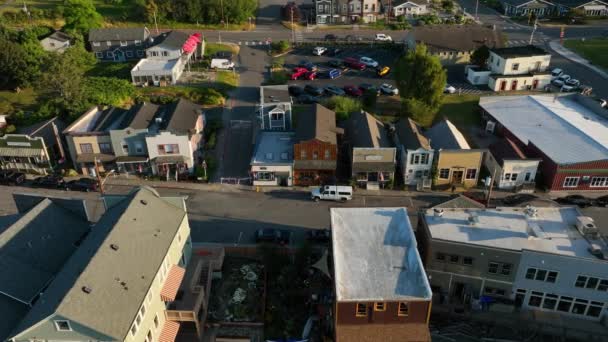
x: 586, y: 226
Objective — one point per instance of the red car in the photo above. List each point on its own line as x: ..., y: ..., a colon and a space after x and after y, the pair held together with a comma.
x: 354, y: 63
x: 353, y: 91
x: 310, y: 75
x: 298, y: 72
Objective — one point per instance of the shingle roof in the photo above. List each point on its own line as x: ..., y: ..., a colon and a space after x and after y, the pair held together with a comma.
x: 143, y: 225
x: 506, y: 149
x: 127, y: 33
x: 575, y: 3
x: 465, y: 38
x: 182, y: 116
x: 172, y: 39
x: 364, y: 130
x: 401, y: 2
x: 444, y: 135
x: 140, y: 116
x: 33, y: 129
x: 410, y: 134
x: 317, y: 123
x: 60, y: 36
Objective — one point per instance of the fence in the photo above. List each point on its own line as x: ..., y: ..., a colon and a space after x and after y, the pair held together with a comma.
x: 235, y: 180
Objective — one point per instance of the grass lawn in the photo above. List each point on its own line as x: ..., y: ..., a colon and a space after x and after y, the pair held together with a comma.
x: 461, y: 110
x: 11, y: 101
x: 227, y: 80
x: 198, y: 94
x: 213, y: 48
x: 595, y: 50
x: 118, y: 70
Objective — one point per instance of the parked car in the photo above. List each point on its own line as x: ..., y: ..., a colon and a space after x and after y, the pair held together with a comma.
x: 602, y: 201
x: 333, y: 90
x: 368, y: 87
x: 82, y: 184
x: 313, y: 90
x: 319, y: 50
x: 332, y: 73
x: 578, y: 200
x: 368, y: 62
x: 354, y: 63
x: 351, y: 38
x: 335, y: 63
x: 267, y: 235
x: 383, y: 71
x: 307, y: 65
x: 571, y: 85
x: 381, y: 37
x: 318, y: 235
x: 298, y: 73
x: 559, y: 81
x: 333, y: 51
x: 310, y: 75
x: 555, y: 73
x: 353, y: 91
x: 332, y: 193
x: 307, y: 99
x: 295, y: 90
x: 449, y: 89
x: 388, y: 89
x: 331, y: 37
x: 11, y: 177
x: 221, y: 63
x: 50, y: 182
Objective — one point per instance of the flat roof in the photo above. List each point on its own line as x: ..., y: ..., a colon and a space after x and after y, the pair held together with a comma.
x: 541, y: 119
x: 375, y: 256
x: 274, y: 94
x: 553, y: 229
x: 520, y: 51
x: 146, y: 64
x: 273, y: 147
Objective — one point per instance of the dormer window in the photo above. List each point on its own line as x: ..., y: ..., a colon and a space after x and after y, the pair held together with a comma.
x: 138, y: 42
x: 63, y: 326
x: 96, y: 44
x: 108, y: 43
x: 123, y: 43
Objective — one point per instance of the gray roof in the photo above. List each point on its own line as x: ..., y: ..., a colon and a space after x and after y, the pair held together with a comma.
x: 541, y: 119
x: 317, y: 123
x: 35, y: 247
x: 375, y: 256
x: 60, y: 36
x: 140, y: 116
x: 115, y: 33
x: 575, y: 3
x: 517, y: 3
x: 37, y: 127
x: 364, y: 130
x: 465, y: 38
x: 181, y: 117
x: 143, y: 225
x: 275, y: 93
x: 444, y: 135
x: 373, y: 166
x: 171, y: 40
x: 520, y: 51
x: 273, y: 147
x: 459, y: 202
x: 11, y: 312
x: 410, y: 134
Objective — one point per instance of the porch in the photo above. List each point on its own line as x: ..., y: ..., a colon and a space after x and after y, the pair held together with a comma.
x: 374, y: 180
x: 139, y: 165
x: 86, y: 162
x: 170, y: 166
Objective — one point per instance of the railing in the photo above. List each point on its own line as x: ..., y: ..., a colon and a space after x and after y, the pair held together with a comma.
x: 180, y: 316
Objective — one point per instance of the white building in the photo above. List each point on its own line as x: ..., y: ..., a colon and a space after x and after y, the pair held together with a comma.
x: 514, y: 68
x: 56, y: 42
x: 414, y: 153
x: 274, y: 111
x: 510, y: 167
x: 409, y: 8
x: 272, y: 160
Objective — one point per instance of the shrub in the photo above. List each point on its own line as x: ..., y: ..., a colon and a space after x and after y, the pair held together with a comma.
x: 107, y: 90
x: 343, y: 106
x: 276, y: 78
x: 280, y: 46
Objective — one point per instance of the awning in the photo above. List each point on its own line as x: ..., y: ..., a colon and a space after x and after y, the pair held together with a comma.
x: 131, y: 159
x: 172, y: 283
x: 169, y: 332
x: 90, y: 157
x: 20, y: 152
x: 170, y: 159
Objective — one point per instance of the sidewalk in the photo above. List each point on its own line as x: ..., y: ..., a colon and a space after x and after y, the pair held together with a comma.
x: 571, y: 55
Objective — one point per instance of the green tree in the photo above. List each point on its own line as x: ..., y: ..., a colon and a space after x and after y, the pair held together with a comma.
x: 13, y: 65
x: 343, y: 106
x: 420, y: 78
x: 81, y: 16
x: 480, y: 56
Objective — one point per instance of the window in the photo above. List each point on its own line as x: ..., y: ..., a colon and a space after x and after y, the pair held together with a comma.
x: 404, y: 309
x: 143, y: 310
x: 506, y: 269
x: 580, y: 281
x: 444, y: 173
x: 599, y: 181
x: 515, y: 66
x: 550, y: 301
x: 530, y: 273
x: 138, y: 319
x: 315, y: 155
x: 99, y: 54
x: 415, y: 159
x: 63, y: 326
x: 105, y: 148
x: 603, y: 286
x: 133, y: 329
x: 595, y: 309
x: 129, y: 54
x: 123, y: 43
x: 149, y: 336
x: 552, y: 277
x: 165, y: 53
x: 493, y: 267
x: 125, y: 147
x: 86, y: 148
x: 540, y: 275
x: 149, y: 297
x: 327, y: 154
x: 140, y: 53
x: 276, y: 116
x: 139, y: 148
x: 108, y: 43
x: 137, y: 42
x: 592, y: 283
x: 507, y: 176
x: 379, y: 306
x: 96, y: 44
x: 564, y: 304
x: 467, y: 261
x: 454, y: 259
x: 110, y: 54
x: 580, y: 306
x: 265, y: 176
x: 535, y: 299
x: 571, y: 182
x: 361, y: 310
x: 514, y: 176
x: 440, y: 256
x: 471, y: 173
x: 303, y: 154
x: 168, y: 149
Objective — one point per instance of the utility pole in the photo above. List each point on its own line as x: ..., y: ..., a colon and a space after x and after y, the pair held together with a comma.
x: 490, y: 190
x: 155, y: 23
x: 98, y: 176
x: 476, y: 8
x: 533, y: 30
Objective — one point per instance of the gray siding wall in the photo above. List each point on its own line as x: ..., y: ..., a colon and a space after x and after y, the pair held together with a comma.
x: 136, y: 136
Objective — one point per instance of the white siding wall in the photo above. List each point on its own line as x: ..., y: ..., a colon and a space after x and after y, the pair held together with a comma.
x: 519, y: 167
x: 273, y: 168
x: 526, y: 64
x: 523, y: 82
x: 163, y: 138
x: 410, y: 177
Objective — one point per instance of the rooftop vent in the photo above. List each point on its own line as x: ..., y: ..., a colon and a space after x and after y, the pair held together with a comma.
x: 531, y: 211
x: 438, y: 212
x: 586, y: 226
x: 86, y: 289
x: 114, y: 246
x: 534, y: 230
x: 144, y: 202
x: 597, y: 251
x: 158, y: 120
x: 473, y: 219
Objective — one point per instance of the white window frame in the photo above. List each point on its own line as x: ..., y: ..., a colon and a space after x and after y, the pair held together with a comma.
x: 598, y: 181
x: 567, y: 181
x: 124, y: 43
x: 62, y: 321
x: 96, y: 43
x: 137, y: 42
x: 466, y: 174
x: 439, y: 174
x: 129, y: 53
x: 108, y: 42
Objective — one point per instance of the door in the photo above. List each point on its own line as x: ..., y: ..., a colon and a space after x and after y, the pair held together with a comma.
x: 534, y: 84
x: 503, y: 85
x: 514, y: 85
x: 457, y: 177
x: 527, y: 177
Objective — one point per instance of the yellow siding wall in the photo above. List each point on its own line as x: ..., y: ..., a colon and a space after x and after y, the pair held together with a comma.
x: 455, y: 58
x: 74, y: 147
x: 459, y: 160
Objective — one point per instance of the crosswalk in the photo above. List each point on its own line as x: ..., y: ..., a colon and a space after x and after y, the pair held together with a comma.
x: 254, y: 42
x: 466, y: 88
x: 521, y: 42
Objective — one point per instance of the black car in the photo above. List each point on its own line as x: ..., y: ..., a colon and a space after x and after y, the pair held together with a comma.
x: 333, y: 51
x: 295, y: 90
x: 273, y: 236
x: 50, y: 181
x: 313, y: 90
x: 11, y: 177
x: 335, y: 63
x: 518, y: 199
x: 320, y: 235
x: 578, y: 200
x: 331, y: 37
x: 82, y: 184
x: 602, y: 201
x: 307, y: 99
x: 365, y: 87
x: 307, y: 65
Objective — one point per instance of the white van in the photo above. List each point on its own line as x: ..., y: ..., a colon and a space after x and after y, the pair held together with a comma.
x: 221, y: 63
x: 332, y: 193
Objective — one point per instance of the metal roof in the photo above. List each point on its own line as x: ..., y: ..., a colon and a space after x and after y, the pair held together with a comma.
x: 118, y: 33
x: 375, y: 256
x: 543, y: 120
x: 273, y: 147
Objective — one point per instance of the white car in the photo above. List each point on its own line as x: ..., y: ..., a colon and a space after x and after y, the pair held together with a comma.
x: 555, y: 73
x: 561, y: 80
x: 449, y: 89
x: 319, y: 50
x: 571, y: 85
x: 381, y: 37
x: 368, y: 62
x: 388, y: 89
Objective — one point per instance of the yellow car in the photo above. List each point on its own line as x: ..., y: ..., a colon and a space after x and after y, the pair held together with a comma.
x: 383, y: 71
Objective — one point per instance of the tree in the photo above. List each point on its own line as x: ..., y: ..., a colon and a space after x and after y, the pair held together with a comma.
x: 13, y: 65
x: 447, y: 5
x: 81, y: 16
x: 287, y: 10
x: 343, y: 106
x: 480, y: 56
x: 421, y: 81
